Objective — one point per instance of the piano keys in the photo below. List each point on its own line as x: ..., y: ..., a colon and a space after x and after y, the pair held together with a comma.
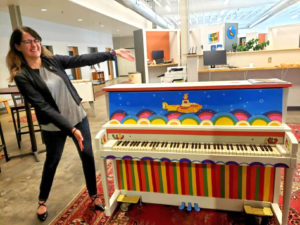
x: 222, y: 148
x: 196, y: 148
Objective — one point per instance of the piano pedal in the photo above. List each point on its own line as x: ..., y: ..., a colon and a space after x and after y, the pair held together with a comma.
x: 189, y: 207
x: 181, y: 207
x: 196, y: 207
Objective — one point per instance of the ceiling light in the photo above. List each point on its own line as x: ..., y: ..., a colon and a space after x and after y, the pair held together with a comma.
x: 101, y: 25
x: 43, y: 10
x: 295, y: 16
x: 79, y: 20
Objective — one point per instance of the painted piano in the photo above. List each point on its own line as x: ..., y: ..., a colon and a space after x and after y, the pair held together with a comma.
x: 218, y: 145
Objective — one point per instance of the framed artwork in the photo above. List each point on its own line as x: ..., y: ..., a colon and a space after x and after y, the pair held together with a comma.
x: 213, y: 37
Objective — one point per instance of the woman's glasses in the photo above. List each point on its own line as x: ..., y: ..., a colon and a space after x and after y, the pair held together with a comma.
x: 29, y: 42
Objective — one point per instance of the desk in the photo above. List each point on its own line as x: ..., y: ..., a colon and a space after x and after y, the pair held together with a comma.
x: 34, y: 152
x: 245, y: 70
x: 155, y: 70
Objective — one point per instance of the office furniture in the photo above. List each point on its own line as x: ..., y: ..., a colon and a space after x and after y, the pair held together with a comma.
x: 34, y: 151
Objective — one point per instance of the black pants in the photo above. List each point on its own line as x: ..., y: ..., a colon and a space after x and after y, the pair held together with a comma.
x: 55, y: 141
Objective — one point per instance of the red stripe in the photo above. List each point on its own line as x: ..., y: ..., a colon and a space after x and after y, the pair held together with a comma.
x: 248, y: 184
x: 235, y: 181
x: 217, y: 87
x: 231, y: 181
x: 201, y: 180
x: 253, y: 181
x: 197, y: 132
x: 141, y: 175
x: 119, y: 174
x: 170, y: 177
x: 216, y: 180
x: 186, y: 178
x: 272, y: 181
x: 182, y: 179
x: 261, y: 182
x: 128, y: 174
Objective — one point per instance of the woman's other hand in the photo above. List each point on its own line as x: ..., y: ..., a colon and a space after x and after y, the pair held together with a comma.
x: 125, y: 53
x: 77, y: 134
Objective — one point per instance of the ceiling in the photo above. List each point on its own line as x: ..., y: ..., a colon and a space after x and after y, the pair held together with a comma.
x: 68, y: 13
x: 249, y: 14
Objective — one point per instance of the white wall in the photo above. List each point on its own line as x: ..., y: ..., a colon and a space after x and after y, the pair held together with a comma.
x: 284, y: 37
x: 199, y: 37
x: 59, y: 36
x: 174, y: 39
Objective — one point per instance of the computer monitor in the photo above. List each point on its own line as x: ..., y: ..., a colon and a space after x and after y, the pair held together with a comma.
x: 158, y: 56
x: 212, y: 58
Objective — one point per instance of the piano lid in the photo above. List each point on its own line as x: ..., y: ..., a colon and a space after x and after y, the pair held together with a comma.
x: 206, y: 85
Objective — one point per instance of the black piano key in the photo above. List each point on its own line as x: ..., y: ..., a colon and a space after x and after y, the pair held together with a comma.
x: 270, y: 148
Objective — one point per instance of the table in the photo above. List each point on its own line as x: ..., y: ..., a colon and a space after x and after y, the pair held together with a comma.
x: 34, y: 151
x: 154, y: 70
x: 86, y: 92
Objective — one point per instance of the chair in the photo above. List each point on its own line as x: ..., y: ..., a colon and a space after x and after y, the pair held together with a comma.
x: 3, y: 145
x: 16, y: 110
x: 5, y: 102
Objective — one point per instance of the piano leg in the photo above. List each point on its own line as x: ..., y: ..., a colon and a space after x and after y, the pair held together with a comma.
x: 287, y: 190
x: 103, y: 170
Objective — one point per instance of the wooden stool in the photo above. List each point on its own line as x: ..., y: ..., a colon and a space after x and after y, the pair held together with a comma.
x: 5, y: 102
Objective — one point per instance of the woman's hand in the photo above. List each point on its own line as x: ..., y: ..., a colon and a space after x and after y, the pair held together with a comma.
x: 77, y: 134
x: 125, y: 53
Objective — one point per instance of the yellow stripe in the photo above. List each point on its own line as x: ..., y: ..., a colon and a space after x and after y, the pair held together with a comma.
x: 244, y: 181
x: 194, y: 179
x: 178, y: 179
x: 136, y: 175
x: 209, y: 181
x: 164, y: 177
x: 124, y: 174
x: 226, y: 181
x: 267, y: 183
x: 149, y: 176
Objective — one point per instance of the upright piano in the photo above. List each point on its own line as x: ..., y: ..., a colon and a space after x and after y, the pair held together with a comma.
x: 217, y: 145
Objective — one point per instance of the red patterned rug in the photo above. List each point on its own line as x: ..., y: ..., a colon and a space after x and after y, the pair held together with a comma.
x: 80, y: 212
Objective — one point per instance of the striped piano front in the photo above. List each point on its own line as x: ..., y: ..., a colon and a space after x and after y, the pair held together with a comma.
x: 208, y: 180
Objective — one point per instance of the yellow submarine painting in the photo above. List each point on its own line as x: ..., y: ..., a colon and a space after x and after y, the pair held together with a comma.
x: 185, y: 107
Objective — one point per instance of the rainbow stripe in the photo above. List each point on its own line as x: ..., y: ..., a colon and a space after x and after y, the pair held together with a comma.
x: 210, y: 180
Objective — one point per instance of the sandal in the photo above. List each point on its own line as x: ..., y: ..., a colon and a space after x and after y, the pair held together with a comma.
x: 100, y: 206
x: 42, y: 217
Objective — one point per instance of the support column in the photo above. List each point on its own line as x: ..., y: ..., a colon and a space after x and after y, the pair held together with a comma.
x: 15, y: 16
x: 184, y: 30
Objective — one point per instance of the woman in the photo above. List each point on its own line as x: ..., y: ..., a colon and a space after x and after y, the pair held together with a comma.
x: 43, y: 82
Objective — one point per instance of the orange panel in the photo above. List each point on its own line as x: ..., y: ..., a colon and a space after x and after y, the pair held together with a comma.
x: 261, y: 38
x: 158, y: 40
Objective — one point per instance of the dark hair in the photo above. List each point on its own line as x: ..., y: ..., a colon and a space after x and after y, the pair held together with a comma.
x: 15, y: 59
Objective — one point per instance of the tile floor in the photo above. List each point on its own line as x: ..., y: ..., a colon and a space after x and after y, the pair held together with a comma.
x: 20, y: 177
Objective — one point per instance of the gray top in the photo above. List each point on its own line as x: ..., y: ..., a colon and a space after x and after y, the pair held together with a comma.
x: 63, y: 99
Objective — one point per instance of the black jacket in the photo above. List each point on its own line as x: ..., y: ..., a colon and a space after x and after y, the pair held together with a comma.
x: 36, y: 92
